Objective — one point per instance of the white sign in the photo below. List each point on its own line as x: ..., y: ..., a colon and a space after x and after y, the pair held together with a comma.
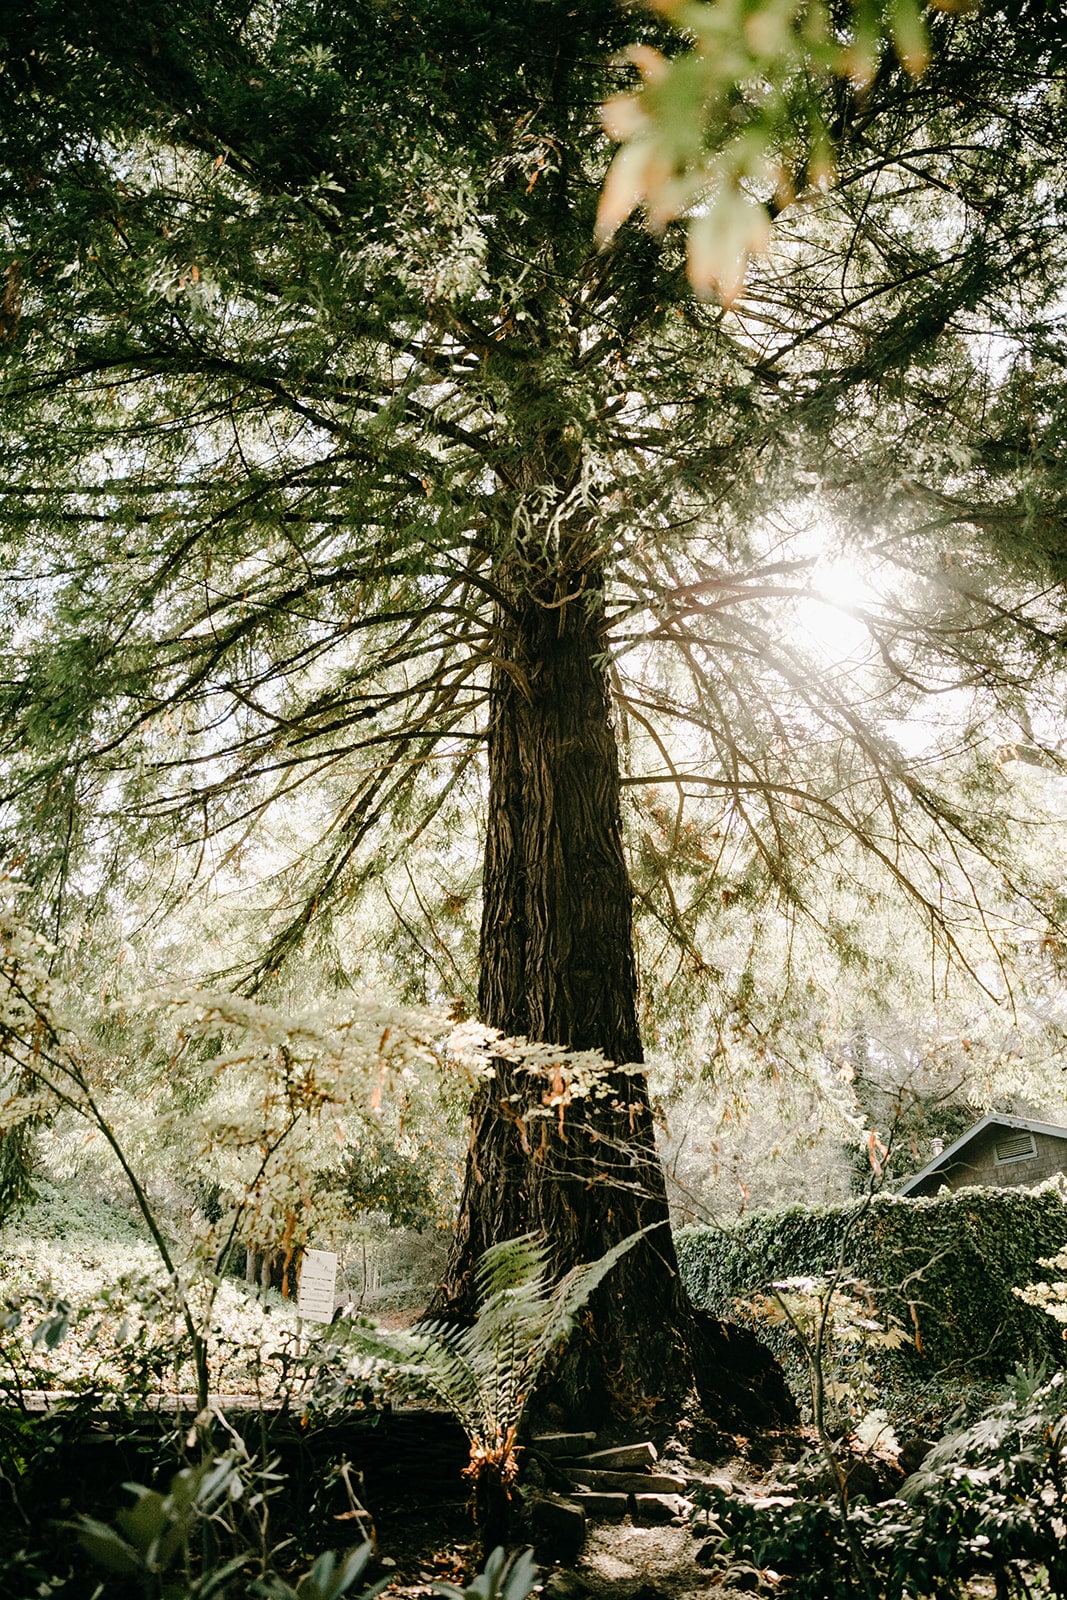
x: 318, y: 1280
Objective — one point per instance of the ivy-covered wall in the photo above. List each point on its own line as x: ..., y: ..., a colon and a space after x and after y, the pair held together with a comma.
x: 945, y: 1266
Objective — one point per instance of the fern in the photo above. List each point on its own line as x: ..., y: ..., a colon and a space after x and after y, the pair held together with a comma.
x: 485, y: 1373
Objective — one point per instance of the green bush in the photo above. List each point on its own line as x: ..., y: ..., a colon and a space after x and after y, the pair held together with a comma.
x: 985, y: 1508
x: 946, y: 1267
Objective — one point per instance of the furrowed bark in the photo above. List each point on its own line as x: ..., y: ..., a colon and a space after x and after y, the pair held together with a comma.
x: 557, y: 965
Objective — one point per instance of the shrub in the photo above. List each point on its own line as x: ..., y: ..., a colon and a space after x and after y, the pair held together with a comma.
x: 945, y: 1267
x: 486, y: 1372
x: 986, y: 1505
x: 1050, y: 1297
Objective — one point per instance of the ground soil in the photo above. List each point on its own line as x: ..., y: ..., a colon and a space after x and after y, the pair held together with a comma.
x: 619, y: 1561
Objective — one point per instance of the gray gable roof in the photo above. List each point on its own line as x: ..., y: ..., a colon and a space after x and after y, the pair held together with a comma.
x: 995, y: 1119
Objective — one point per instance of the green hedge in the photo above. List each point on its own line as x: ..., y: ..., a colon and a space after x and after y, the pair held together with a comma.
x: 947, y: 1264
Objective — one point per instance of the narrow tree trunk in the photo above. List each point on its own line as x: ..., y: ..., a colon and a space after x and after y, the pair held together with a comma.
x: 557, y: 965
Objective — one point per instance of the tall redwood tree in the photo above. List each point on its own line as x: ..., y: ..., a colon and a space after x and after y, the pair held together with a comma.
x: 338, y: 459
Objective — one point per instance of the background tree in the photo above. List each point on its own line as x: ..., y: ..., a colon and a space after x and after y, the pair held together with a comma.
x: 338, y: 459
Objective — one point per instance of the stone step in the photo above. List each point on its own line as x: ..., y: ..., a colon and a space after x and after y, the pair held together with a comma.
x: 603, y: 1507
x: 716, y: 1480
x: 626, y: 1482
x: 557, y: 1527
x: 562, y: 1444
x: 659, y: 1507
x: 621, y: 1458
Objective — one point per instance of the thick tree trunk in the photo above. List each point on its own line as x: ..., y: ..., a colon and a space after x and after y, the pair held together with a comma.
x: 557, y: 965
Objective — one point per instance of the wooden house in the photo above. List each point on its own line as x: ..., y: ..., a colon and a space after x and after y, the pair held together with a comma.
x: 1001, y: 1152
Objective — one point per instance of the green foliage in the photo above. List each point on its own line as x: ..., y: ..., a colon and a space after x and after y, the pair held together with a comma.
x: 503, y: 1577
x: 154, y: 1534
x: 152, y: 1540
x: 313, y: 342
x: 151, y: 1543
x: 840, y: 1330
x: 277, y: 1092
x: 282, y: 1093
x: 910, y: 1120
x: 17, y: 1160
x: 736, y: 118
x: 87, y: 1307
x: 329, y: 1577
x: 1047, y: 1295
x: 486, y: 1372
x: 380, y: 1176
x: 986, y: 1504
x: 315, y: 384
x: 945, y: 1268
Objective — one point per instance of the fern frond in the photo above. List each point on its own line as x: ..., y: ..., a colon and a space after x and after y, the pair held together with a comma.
x: 570, y: 1295
x: 511, y: 1264
x: 424, y: 1362
x: 485, y: 1372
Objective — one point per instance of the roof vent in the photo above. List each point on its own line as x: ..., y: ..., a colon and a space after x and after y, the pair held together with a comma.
x: 1014, y: 1147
